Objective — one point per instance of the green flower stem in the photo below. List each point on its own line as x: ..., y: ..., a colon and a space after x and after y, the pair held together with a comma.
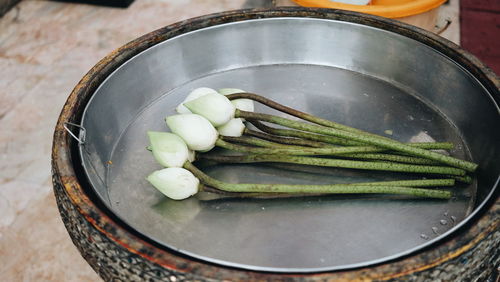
x: 391, y: 158
x: 257, y: 142
x: 363, y: 156
x: 364, y: 165
x: 284, y: 140
x: 311, y: 118
x: 382, y: 142
x: 340, y: 141
x: 304, y: 135
x: 412, y: 183
x: 296, y: 113
x: 293, y: 150
x: 317, y: 189
x: 465, y: 179
x: 211, y: 189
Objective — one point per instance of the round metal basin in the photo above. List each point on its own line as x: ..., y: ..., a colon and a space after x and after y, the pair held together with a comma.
x: 371, y: 73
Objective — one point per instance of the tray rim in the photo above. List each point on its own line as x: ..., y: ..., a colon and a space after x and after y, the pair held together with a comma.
x: 63, y: 163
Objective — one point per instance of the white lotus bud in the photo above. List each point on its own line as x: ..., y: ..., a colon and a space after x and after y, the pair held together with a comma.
x: 213, y: 106
x: 168, y: 149
x: 197, y: 93
x: 243, y: 104
x: 198, y: 133
x: 240, y: 104
x: 233, y: 128
x: 175, y: 182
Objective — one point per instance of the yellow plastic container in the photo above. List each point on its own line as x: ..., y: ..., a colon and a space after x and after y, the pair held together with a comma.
x: 385, y: 8
x: 422, y: 13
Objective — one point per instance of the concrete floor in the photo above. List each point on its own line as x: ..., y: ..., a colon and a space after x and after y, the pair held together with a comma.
x: 45, y: 48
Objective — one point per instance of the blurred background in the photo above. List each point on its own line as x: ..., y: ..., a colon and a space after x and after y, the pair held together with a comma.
x: 47, y: 46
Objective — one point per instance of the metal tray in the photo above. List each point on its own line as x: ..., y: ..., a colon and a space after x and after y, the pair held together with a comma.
x: 351, y: 73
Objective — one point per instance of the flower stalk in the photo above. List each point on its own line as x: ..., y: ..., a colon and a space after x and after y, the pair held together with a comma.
x: 249, y: 140
x: 296, y: 113
x: 363, y: 156
x: 284, y: 140
x: 325, y: 162
x: 295, y: 150
x: 368, y: 139
x: 317, y: 189
x: 391, y: 158
x: 340, y: 141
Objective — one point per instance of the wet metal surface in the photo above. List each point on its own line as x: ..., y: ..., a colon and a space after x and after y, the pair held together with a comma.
x: 335, y: 70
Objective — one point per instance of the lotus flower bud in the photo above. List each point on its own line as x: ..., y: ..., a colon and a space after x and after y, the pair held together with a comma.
x: 233, y: 128
x: 198, y: 133
x: 168, y: 149
x: 214, y: 107
x: 197, y: 93
x: 175, y: 182
x: 240, y: 104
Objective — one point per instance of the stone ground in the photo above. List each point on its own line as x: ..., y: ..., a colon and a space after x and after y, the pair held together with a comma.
x: 45, y: 48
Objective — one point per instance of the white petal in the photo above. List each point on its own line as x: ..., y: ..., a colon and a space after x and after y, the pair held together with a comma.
x: 181, y: 109
x: 233, y: 128
x: 243, y: 104
x: 197, y: 93
x: 240, y: 104
x: 168, y: 149
x: 227, y: 91
x: 214, y: 107
x: 174, y: 182
x: 198, y: 133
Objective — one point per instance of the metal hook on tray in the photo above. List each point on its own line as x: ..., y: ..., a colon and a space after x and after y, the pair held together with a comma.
x: 81, y: 139
x: 86, y: 159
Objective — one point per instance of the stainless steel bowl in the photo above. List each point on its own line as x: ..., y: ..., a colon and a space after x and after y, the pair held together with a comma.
x: 352, y: 72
